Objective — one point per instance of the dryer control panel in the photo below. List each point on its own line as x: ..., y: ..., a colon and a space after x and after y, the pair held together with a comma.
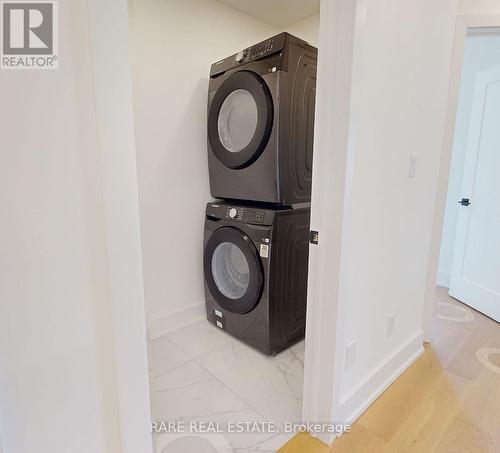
x: 276, y: 46
x: 259, y: 50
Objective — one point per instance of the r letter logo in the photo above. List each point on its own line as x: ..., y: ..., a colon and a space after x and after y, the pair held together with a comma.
x: 29, y: 35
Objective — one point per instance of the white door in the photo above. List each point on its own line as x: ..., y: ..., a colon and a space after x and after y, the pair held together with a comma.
x: 475, y: 278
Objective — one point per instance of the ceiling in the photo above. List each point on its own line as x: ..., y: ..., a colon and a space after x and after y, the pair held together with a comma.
x: 279, y: 13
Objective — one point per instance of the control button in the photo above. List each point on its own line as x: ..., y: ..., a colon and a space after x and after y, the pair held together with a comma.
x: 240, y: 56
x: 232, y: 213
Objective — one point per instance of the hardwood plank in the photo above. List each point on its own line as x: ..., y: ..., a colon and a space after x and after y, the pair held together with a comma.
x: 397, y: 403
x: 304, y: 443
x: 461, y: 437
x: 481, y: 407
x: 360, y: 440
x: 426, y: 426
x: 453, y: 336
x: 464, y: 362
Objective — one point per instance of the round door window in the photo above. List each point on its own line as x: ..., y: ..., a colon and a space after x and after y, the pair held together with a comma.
x: 237, y: 120
x: 240, y: 119
x: 233, y: 271
x: 230, y: 270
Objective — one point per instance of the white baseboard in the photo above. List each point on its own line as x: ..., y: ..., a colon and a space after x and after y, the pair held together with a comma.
x: 176, y: 320
x: 360, y: 399
x: 443, y: 279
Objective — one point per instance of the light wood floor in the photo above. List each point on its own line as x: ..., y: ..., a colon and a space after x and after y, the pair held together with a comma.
x: 445, y: 402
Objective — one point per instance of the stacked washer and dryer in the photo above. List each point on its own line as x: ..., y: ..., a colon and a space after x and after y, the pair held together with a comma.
x: 260, y: 144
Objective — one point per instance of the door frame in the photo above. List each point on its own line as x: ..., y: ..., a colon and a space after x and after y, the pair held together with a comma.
x: 463, y: 24
x: 341, y: 32
x: 112, y: 83
x: 341, y: 35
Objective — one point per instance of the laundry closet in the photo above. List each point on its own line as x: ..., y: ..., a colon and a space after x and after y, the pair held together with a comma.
x: 224, y: 98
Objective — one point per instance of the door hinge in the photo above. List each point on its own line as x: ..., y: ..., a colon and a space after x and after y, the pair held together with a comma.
x: 314, y: 237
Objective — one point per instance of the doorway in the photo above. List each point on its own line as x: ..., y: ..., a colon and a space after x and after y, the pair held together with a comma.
x: 469, y: 263
x: 199, y: 373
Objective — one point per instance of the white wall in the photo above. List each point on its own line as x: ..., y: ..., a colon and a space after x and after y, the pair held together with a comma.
x: 479, y: 7
x: 398, y: 109
x: 307, y: 29
x: 482, y: 51
x: 174, y: 44
x: 58, y: 373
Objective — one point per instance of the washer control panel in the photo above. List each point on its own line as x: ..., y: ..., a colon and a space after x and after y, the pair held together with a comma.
x: 247, y: 215
x: 252, y: 215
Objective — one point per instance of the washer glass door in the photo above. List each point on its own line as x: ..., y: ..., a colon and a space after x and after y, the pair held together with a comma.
x: 230, y: 270
x: 233, y: 271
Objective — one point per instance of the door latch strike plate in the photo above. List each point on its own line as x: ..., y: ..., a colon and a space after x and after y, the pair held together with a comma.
x: 314, y: 237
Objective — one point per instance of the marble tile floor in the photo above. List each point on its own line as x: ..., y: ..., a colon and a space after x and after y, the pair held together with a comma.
x: 200, y: 373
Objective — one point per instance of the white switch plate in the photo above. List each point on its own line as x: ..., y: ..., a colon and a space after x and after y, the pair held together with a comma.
x: 412, y: 172
x: 350, y: 355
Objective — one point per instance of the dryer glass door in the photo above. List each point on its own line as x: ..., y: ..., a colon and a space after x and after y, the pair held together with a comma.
x: 237, y: 120
x: 240, y: 119
x: 233, y: 271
